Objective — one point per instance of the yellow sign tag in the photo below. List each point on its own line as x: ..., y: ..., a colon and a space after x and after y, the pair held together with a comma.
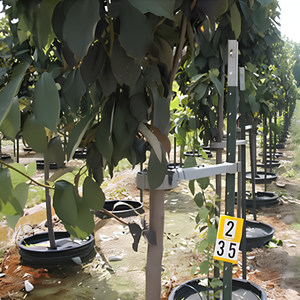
x: 228, y: 239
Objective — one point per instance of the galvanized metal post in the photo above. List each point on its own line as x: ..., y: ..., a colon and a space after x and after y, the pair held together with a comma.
x: 232, y: 100
x: 219, y: 150
x: 243, y: 167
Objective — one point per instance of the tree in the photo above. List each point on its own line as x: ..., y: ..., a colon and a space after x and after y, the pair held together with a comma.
x: 99, y: 74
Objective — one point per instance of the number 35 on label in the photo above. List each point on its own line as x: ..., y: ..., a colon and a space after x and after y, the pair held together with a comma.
x: 228, y: 239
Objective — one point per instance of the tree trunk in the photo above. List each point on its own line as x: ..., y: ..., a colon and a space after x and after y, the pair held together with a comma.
x: 155, y: 252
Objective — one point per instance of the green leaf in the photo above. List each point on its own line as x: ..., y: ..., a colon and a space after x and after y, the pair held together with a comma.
x: 79, y: 25
x: 9, y: 91
x: 35, y: 134
x: 200, y: 89
x: 124, y: 68
x: 5, y: 186
x: 11, y: 124
x: 31, y: 169
x: 73, y: 89
x: 156, y: 170
x: 42, y: 15
x: 199, y: 199
x: 93, y: 195
x: 55, y: 152
x: 190, y: 162
x: 135, y: 30
x: 107, y: 79
x: 161, y: 110
x: 64, y: 202
x: 211, y: 234
x: 203, y: 182
x: 216, y: 82
x: 157, y: 7
x: 201, y: 246
x: 93, y: 63
x: 103, y: 136
x: 78, y: 132
x: 20, y: 192
x: 138, y: 107
x: 255, y: 107
x: 202, y: 215
x: 192, y: 186
x: 215, y: 282
x: 15, y: 176
x: 236, y: 22
x: 204, y: 267
x: 46, y: 102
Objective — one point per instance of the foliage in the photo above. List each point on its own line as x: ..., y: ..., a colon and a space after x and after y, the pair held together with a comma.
x: 96, y: 74
x: 207, y: 221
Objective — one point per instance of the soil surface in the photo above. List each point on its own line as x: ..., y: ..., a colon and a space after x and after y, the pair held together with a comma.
x: 276, y: 270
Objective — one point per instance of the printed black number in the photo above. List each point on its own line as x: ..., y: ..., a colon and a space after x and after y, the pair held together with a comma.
x: 231, y: 224
x: 221, y: 250
x: 231, y: 252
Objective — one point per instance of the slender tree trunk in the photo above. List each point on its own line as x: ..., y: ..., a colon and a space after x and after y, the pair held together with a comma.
x: 48, y: 206
x: 155, y: 252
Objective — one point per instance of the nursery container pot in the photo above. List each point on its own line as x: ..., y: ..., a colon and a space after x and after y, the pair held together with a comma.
x: 34, y: 250
x: 241, y: 289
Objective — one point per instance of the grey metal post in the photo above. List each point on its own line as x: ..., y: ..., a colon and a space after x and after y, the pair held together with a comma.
x: 243, y: 168
x: 219, y: 150
x: 232, y: 98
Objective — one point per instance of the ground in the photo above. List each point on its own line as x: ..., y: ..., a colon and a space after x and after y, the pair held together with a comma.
x: 277, y: 270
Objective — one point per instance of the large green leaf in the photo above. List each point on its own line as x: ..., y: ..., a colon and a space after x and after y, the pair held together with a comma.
x: 107, y: 79
x: 72, y: 210
x: 156, y: 171
x: 46, y: 102
x: 79, y: 25
x: 78, y: 132
x: 17, y: 177
x: 5, y: 186
x: 64, y: 202
x: 212, y: 234
x: 216, y: 82
x: 139, y: 107
x: 42, y: 15
x: 125, y: 68
x: 8, y: 93
x: 161, y: 110
x: 104, y: 142
x: 93, y: 63
x: 73, y: 89
x: 236, y: 21
x: 35, y: 134
x: 20, y: 192
x: 11, y: 124
x: 157, y: 7
x: 135, y: 29
x: 55, y: 152
x: 199, y: 199
x: 93, y: 195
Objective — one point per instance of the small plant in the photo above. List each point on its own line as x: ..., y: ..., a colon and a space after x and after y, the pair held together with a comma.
x: 207, y: 222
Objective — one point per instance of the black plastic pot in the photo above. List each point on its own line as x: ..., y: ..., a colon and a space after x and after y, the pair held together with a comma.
x: 40, y: 165
x: 197, y: 154
x: 66, y: 251
x: 274, y: 164
x: 241, y: 289
x: 260, y: 178
x: 128, y: 209
x: 258, y: 234
x: 276, y: 155
x: 262, y: 199
x: 172, y: 166
x: 80, y: 154
x: 27, y: 149
x: 5, y: 156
